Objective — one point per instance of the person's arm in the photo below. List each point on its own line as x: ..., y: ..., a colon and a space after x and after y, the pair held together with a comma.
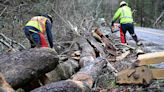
x: 116, y: 15
x: 49, y: 33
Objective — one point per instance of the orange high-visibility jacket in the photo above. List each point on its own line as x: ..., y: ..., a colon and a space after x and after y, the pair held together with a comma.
x: 39, y: 22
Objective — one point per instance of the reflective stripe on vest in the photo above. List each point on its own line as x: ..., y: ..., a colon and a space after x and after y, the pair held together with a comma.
x: 33, y: 31
x: 38, y: 22
x: 126, y: 17
x: 124, y: 14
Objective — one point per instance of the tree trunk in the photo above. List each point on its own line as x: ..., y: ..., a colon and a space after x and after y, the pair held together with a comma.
x: 90, y: 50
x: 109, y: 46
x: 90, y: 72
x: 21, y: 67
x: 64, y: 86
x: 63, y: 71
x: 87, y: 52
x: 83, y: 80
x: 99, y: 49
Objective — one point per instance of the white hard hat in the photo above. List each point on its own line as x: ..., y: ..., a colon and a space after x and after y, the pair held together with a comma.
x: 122, y: 3
x: 101, y: 20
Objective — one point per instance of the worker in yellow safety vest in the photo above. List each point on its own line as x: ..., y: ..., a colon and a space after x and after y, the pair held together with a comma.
x: 124, y: 13
x: 36, y: 28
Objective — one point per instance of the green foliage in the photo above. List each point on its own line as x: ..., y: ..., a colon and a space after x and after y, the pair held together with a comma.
x: 147, y: 11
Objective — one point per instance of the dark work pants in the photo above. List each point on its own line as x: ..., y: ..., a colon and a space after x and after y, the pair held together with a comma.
x: 33, y: 38
x: 130, y: 28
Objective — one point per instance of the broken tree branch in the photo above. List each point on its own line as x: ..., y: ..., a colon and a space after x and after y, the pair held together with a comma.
x: 160, y: 16
x: 6, y: 41
x: 69, y: 24
x: 3, y: 11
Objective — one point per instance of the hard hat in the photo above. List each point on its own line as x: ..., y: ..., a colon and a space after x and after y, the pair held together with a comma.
x: 101, y: 20
x: 48, y: 16
x: 123, y: 3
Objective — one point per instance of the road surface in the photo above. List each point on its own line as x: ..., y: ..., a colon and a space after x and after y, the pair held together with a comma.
x: 150, y: 35
x: 152, y: 39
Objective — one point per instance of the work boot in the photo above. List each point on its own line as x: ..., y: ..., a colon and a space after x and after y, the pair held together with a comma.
x: 139, y: 43
x: 139, y: 51
x: 125, y: 48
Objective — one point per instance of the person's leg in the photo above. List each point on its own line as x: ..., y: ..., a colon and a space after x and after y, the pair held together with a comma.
x: 36, y: 40
x: 132, y: 33
x: 43, y: 42
x: 123, y: 33
x: 28, y: 34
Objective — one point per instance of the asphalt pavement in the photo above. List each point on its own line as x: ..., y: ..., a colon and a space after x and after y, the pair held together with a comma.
x: 150, y: 35
x: 152, y: 39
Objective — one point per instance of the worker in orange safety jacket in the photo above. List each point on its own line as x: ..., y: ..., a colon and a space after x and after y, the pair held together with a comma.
x: 36, y: 28
x: 34, y: 31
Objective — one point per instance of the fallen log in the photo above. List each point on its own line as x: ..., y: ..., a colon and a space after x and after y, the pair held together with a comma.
x: 89, y: 73
x: 21, y: 67
x: 109, y: 46
x: 81, y: 81
x: 87, y: 52
x: 99, y: 49
x: 63, y: 86
x: 63, y: 71
x: 150, y: 58
x: 90, y: 50
x: 66, y: 69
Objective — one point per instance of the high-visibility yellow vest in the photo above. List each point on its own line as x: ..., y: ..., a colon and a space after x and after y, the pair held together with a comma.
x: 125, y: 15
x: 39, y: 22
